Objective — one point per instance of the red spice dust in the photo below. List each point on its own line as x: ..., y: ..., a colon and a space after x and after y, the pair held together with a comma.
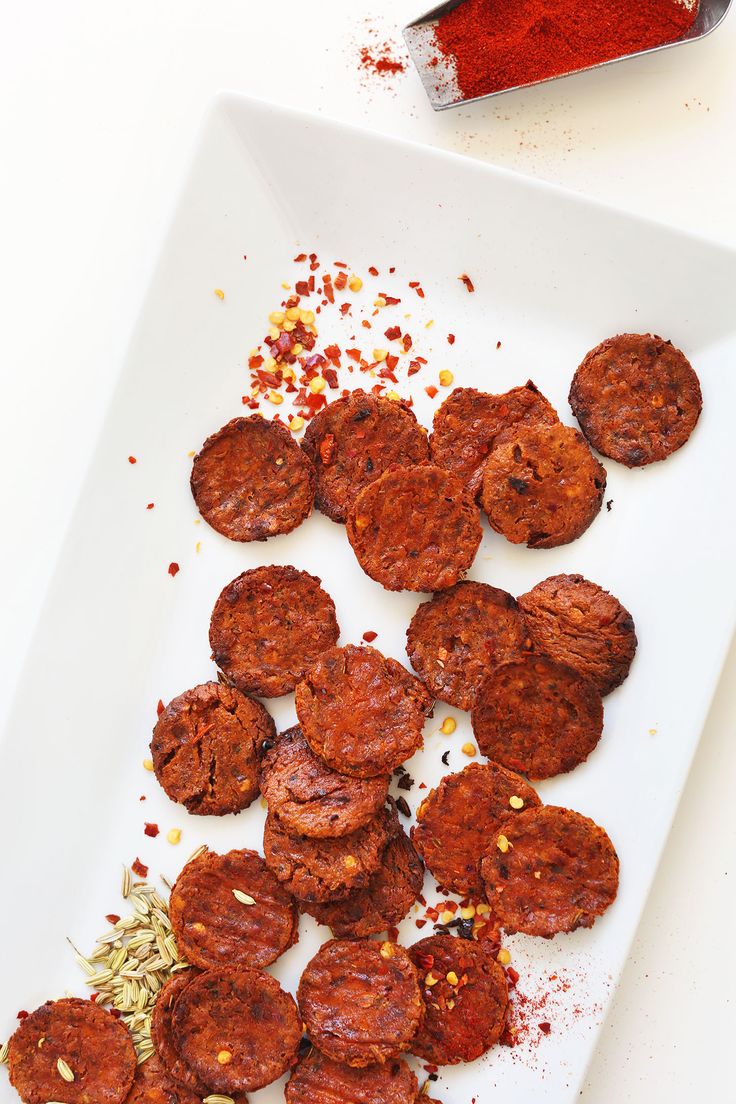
x: 173, y: 569
x: 380, y: 60
x: 497, y: 44
x: 151, y: 830
x: 139, y: 868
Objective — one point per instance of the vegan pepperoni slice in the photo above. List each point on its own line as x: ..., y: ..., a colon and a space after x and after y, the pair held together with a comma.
x: 206, y: 746
x: 542, y: 486
x: 361, y: 712
x: 468, y: 422
x: 96, y: 1047
x: 637, y: 398
x: 312, y: 799
x: 459, y: 636
x: 549, y: 870
x: 465, y: 999
x: 229, y: 910
x: 268, y: 626
x: 237, y: 1029
x: 386, y: 900
x: 415, y: 528
x: 458, y: 818
x: 162, y: 1032
x: 579, y: 623
x: 538, y: 716
x: 353, y: 441
x: 319, y: 1080
x: 360, y: 1001
x: 251, y: 480
x: 318, y: 870
x: 153, y: 1085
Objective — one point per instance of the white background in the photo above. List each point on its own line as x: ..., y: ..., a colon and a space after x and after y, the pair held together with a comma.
x: 98, y: 112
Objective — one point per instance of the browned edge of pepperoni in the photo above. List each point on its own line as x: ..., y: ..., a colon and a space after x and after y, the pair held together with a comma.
x: 318, y: 870
x: 162, y: 1032
x: 312, y: 799
x: 542, y: 486
x: 415, y: 528
x: 457, y: 818
x: 360, y: 1001
x: 459, y: 635
x: 237, y: 1029
x: 153, y: 1085
x: 549, y: 870
x: 637, y: 398
x: 215, y: 928
x: 538, y: 717
x: 320, y: 1080
x: 385, y: 901
x: 353, y: 440
x: 579, y: 623
x: 465, y: 997
x: 468, y: 421
x: 251, y: 481
x: 97, y: 1048
x: 268, y: 627
x: 206, y: 746
x: 362, y: 712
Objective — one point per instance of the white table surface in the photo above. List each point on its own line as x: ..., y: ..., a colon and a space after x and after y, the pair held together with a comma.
x: 99, y: 106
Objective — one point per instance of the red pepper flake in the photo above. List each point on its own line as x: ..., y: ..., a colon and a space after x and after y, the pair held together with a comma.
x: 431, y: 391
x: 498, y: 344
x: 132, y: 460
x: 545, y: 1028
x: 354, y: 354
x: 300, y: 258
x: 328, y: 289
x: 139, y: 868
x: 93, y: 997
x: 420, y: 923
x: 327, y: 449
x: 373, y: 270
x: 450, y: 339
x: 339, y: 264
x: 22, y: 1015
x: 115, y: 1013
x: 407, y: 342
x: 393, y: 333
x: 331, y: 376
x: 345, y: 308
x: 392, y: 363
x: 173, y: 569
x: 255, y: 361
x: 341, y: 281
x: 468, y: 282
x: 369, y: 636
x: 301, y: 287
x: 112, y: 918
x: 512, y: 976
x: 333, y: 352
x: 142, y: 797
x: 422, y: 785
x: 414, y: 367
x: 160, y: 707
x: 391, y: 300
x: 151, y: 830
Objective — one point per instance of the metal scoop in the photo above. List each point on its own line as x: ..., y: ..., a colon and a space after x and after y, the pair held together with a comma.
x: 439, y: 79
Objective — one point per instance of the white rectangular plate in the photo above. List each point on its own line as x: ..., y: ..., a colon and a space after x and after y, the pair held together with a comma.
x: 554, y: 275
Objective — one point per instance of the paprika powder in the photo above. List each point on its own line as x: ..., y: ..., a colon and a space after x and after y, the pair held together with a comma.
x: 497, y: 44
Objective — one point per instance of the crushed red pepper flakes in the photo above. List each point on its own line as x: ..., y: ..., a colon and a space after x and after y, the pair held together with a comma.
x: 112, y: 918
x: 467, y: 281
x: 369, y: 636
x: 132, y: 460
x: 450, y: 339
x: 22, y: 1015
x: 150, y: 505
x: 373, y: 270
x: 139, y: 868
x: 498, y: 344
x: 151, y: 830
x: 173, y: 569
x: 545, y: 1028
x: 431, y: 391
x: 160, y: 707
